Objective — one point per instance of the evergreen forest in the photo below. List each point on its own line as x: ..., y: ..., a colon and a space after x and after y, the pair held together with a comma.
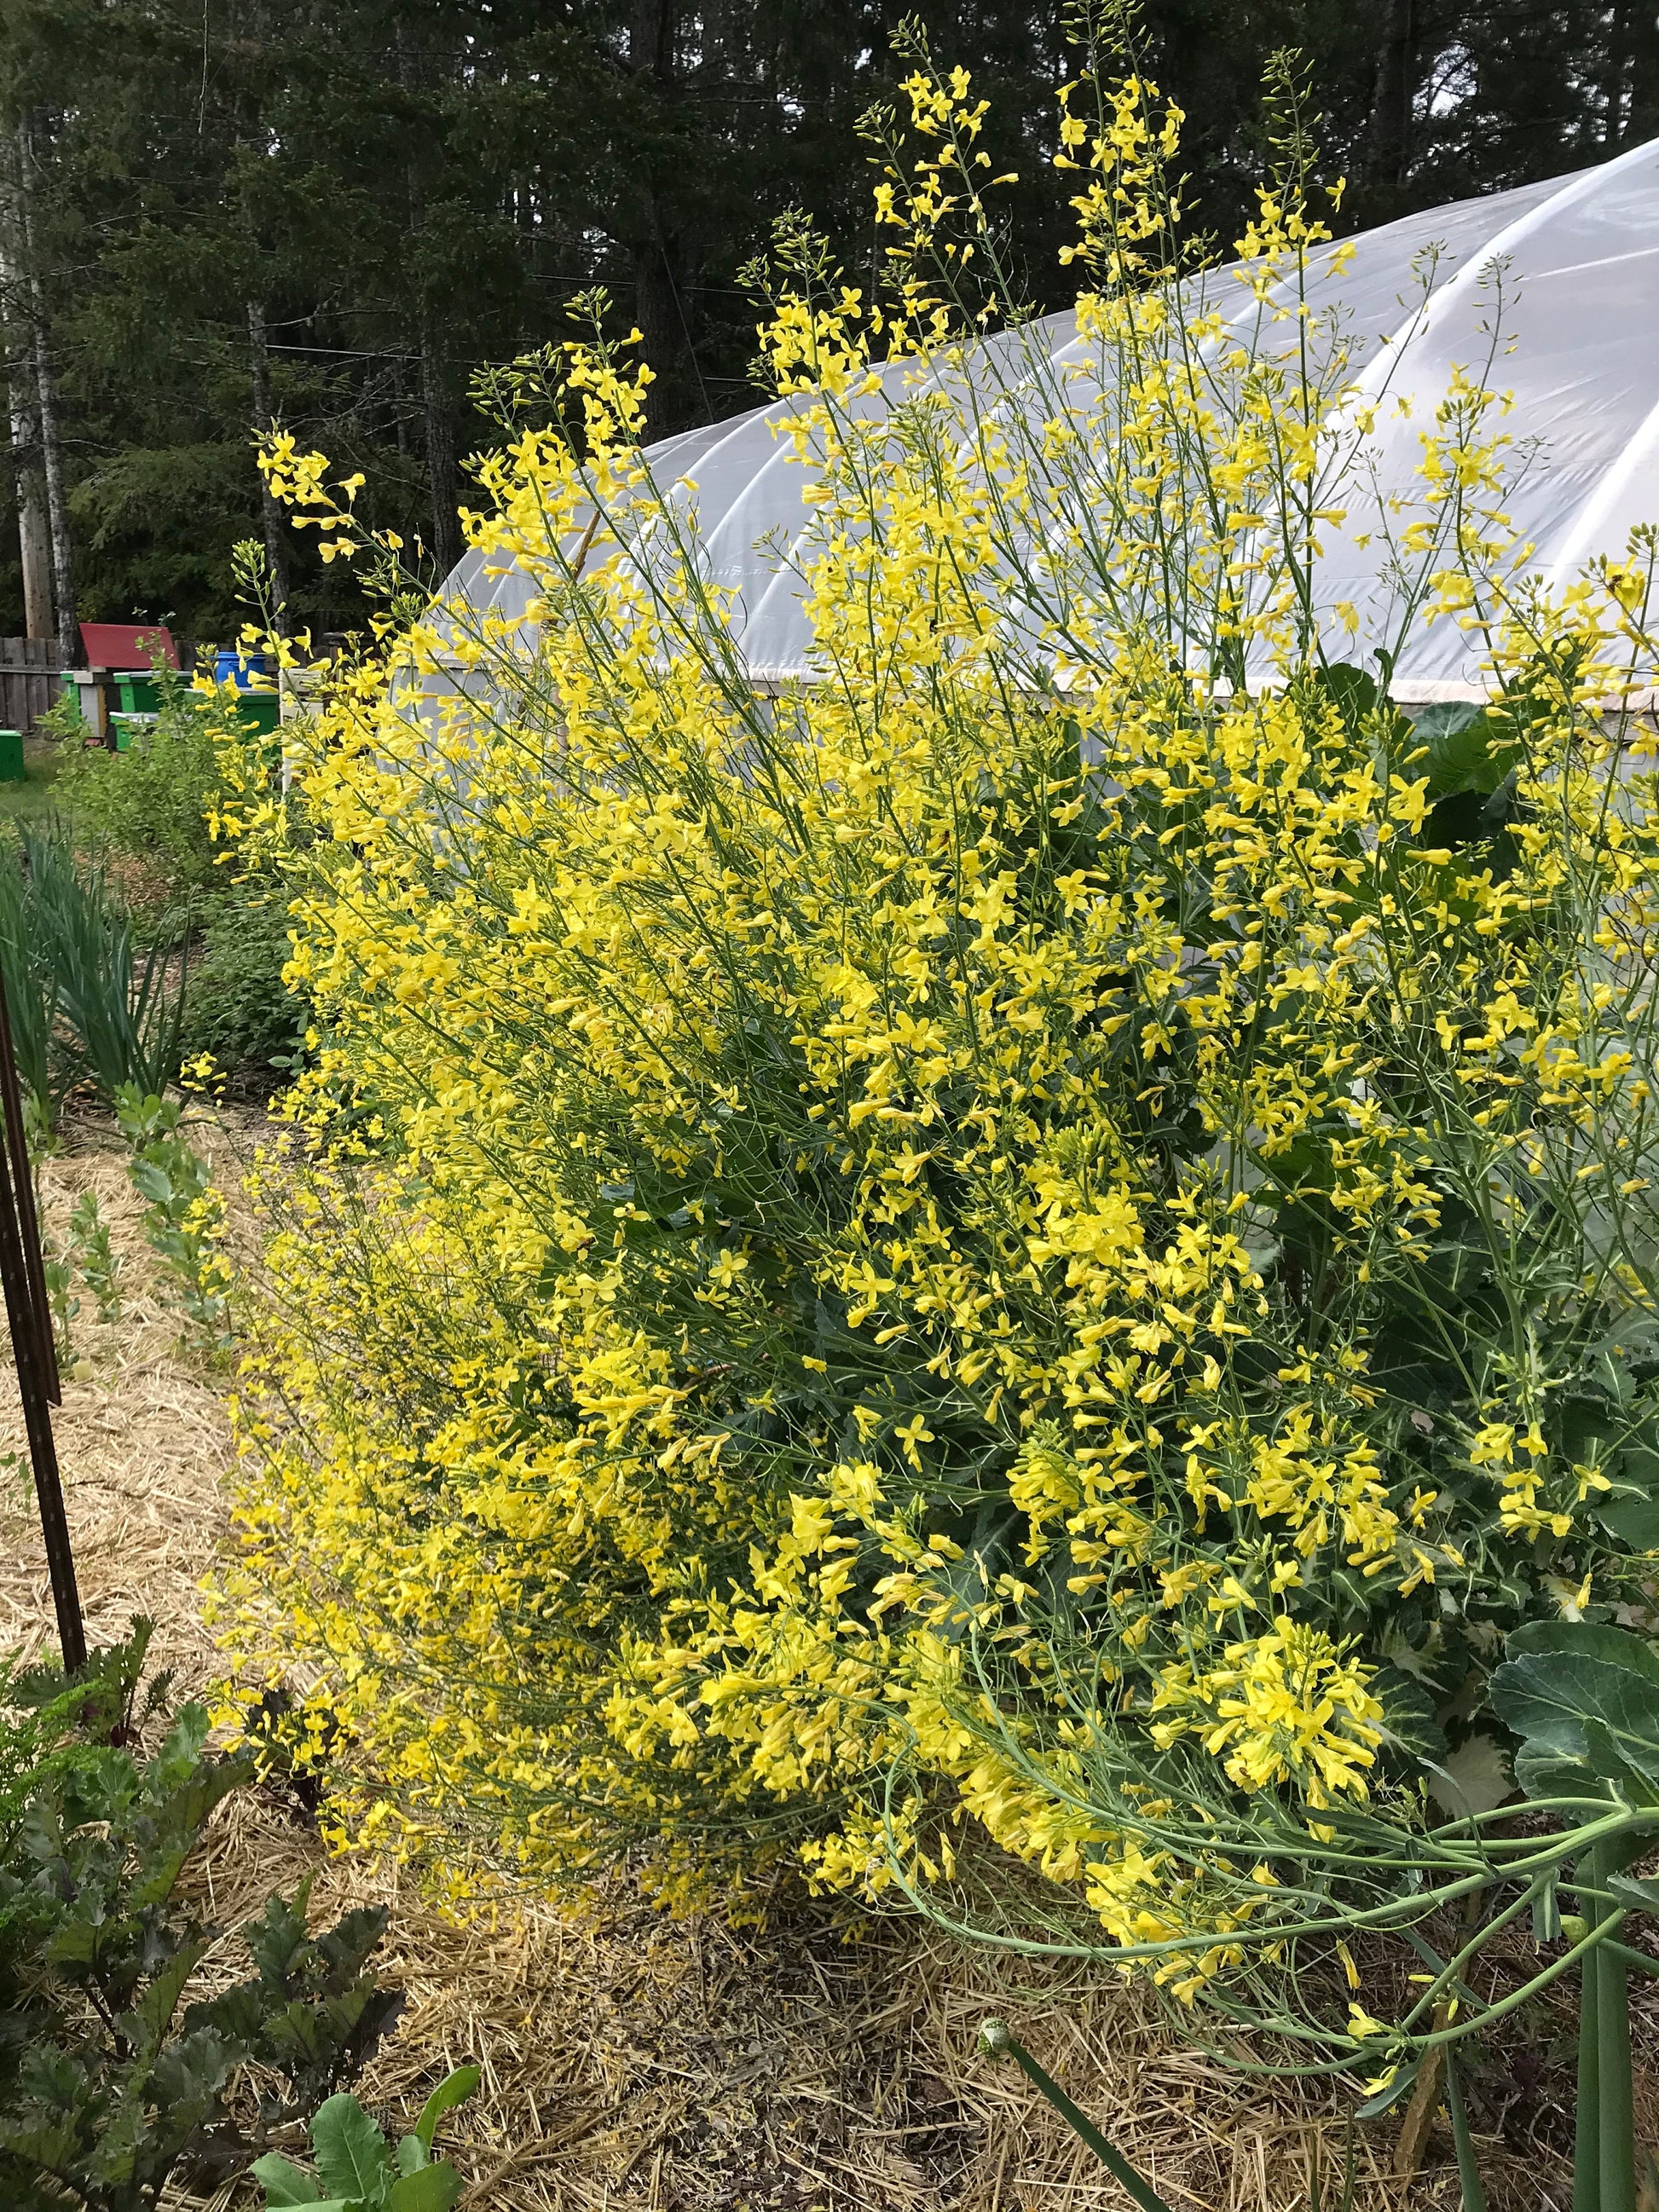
x: 334, y: 213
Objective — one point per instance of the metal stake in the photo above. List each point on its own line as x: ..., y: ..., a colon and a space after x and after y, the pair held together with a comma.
x: 22, y: 1271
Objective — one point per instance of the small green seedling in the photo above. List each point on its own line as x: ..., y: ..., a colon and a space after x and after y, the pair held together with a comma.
x: 184, y: 1215
x: 59, y: 1267
x: 359, y: 2168
x: 100, y: 1265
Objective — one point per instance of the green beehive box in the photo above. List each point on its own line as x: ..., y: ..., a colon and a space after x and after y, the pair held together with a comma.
x: 260, y: 710
x: 12, y: 769
x: 140, y: 694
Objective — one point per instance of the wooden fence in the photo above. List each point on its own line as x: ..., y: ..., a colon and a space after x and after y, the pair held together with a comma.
x: 29, y: 682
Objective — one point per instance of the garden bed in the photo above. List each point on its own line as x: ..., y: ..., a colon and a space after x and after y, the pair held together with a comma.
x: 631, y: 2060
x: 1023, y: 1276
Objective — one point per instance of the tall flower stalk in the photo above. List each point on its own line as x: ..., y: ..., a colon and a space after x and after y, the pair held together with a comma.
x: 1032, y: 1249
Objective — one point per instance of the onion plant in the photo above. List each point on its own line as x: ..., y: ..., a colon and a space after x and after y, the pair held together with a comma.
x: 120, y: 1007
x: 87, y: 1004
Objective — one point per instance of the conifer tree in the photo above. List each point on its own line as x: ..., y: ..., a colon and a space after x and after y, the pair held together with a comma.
x: 332, y: 212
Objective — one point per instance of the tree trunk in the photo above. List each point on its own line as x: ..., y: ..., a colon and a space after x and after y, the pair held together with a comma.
x: 57, y: 516
x: 1631, y: 90
x: 440, y: 470
x: 658, y: 308
x: 264, y: 421
x: 1642, y: 119
x: 1391, y: 107
x: 437, y: 410
x: 45, y: 381
x: 23, y: 407
x: 400, y: 409
x: 658, y: 317
x: 33, y: 547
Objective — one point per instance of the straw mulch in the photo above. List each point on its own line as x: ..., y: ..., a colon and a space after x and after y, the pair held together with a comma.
x: 631, y: 2061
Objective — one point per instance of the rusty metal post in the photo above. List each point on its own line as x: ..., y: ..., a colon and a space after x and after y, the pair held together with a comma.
x: 22, y: 1271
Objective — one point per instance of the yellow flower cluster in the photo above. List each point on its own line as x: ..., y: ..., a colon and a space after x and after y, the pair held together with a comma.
x: 1045, y: 1233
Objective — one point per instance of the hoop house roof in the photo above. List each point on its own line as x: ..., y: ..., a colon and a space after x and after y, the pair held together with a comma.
x: 1569, y: 268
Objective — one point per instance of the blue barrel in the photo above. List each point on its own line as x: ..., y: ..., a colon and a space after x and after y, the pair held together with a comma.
x: 246, y: 671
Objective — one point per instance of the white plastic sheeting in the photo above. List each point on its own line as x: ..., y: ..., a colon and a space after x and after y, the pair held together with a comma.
x: 1573, y: 264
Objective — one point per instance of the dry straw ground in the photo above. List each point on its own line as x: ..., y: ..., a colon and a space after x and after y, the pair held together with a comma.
x: 632, y: 2062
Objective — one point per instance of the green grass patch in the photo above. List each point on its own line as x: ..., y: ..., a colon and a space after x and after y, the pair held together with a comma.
x: 33, y: 801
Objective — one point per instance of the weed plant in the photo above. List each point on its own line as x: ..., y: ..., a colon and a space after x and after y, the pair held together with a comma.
x: 150, y: 803
x: 184, y: 1213
x: 360, y: 2170
x: 111, y: 2084
x: 99, y: 1265
x: 154, y: 804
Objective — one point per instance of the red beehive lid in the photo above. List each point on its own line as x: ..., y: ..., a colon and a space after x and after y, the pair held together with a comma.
x: 127, y: 645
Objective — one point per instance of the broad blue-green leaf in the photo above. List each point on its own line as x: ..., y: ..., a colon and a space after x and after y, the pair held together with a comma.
x: 352, y: 2157
x: 282, y: 2181
x: 1473, y: 1778
x: 1353, y: 689
x: 347, y: 1944
x: 452, y: 2091
x: 147, y: 2023
x: 434, y: 2189
x: 49, y: 2140
x: 74, y: 1944
x: 180, y: 1758
x: 1466, y: 749
x: 151, y: 1181
x: 1584, y: 1700
x: 1631, y: 1517
x: 1629, y: 1511
x: 1640, y: 1893
x: 278, y: 1937
x: 412, y: 2154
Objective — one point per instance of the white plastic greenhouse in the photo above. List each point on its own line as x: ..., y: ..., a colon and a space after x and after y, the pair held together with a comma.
x: 1579, y: 263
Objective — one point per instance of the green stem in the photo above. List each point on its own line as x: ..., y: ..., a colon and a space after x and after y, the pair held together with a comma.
x: 996, y: 2038
x: 1614, y: 2116
x: 1469, y: 2174
x: 1587, y: 2140
x: 1636, y: 1962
